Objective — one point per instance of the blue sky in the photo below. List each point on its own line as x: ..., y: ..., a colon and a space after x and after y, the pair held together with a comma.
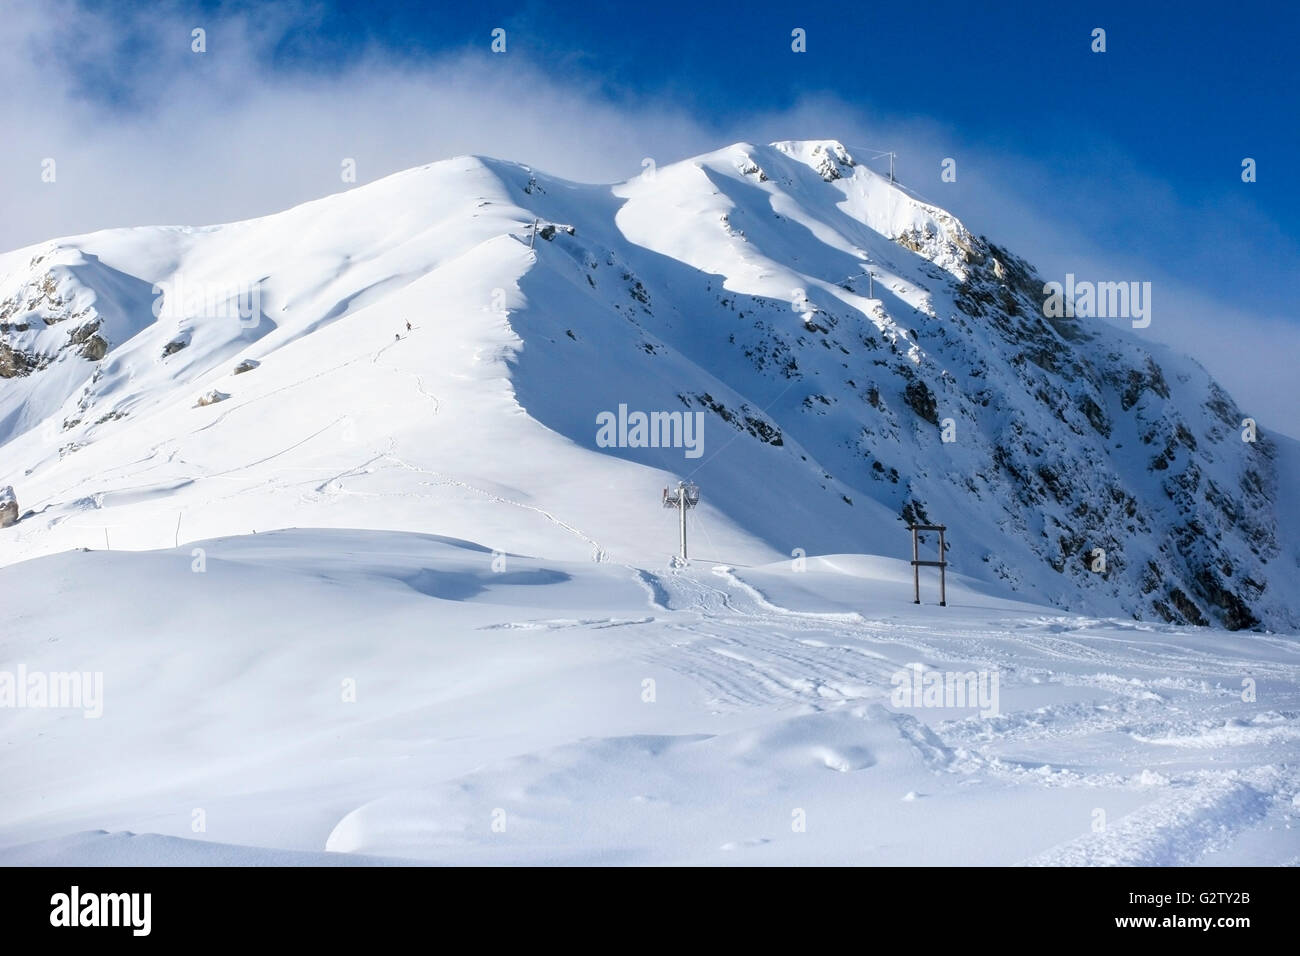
x: 1183, y: 92
x: 1122, y: 165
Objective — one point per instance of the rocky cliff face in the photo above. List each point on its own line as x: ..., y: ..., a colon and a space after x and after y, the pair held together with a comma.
x: 46, y: 299
x: 8, y: 507
x: 943, y: 390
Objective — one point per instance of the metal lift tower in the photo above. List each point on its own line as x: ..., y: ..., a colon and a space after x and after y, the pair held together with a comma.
x: 685, y: 495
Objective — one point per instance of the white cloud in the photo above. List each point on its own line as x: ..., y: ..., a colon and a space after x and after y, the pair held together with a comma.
x: 170, y: 136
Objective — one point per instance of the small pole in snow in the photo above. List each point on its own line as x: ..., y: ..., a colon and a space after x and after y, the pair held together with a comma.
x: 107, y: 546
x: 871, y: 285
x: 891, y: 167
x: 533, y: 237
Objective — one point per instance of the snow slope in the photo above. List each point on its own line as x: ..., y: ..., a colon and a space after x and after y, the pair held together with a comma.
x: 732, y: 285
x: 366, y: 594
x: 574, y: 712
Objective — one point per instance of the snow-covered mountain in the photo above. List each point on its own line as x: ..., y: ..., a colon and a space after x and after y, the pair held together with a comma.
x: 172, y: 384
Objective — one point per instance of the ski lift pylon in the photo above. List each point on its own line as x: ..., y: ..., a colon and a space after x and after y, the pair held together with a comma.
x: 687, y: 492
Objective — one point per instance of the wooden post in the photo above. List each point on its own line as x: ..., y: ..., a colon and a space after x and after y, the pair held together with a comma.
x: 917, y: 563
x: 916, y: 569
x: 943, y: 571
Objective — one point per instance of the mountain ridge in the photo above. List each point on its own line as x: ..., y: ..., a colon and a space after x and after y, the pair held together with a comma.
x: 733, y: 284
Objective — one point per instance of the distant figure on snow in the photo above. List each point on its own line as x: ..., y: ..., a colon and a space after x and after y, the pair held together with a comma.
x: 408, y: 325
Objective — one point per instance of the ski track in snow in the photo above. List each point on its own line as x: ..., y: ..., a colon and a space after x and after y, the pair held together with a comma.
x: 746, y: 651
x: 1093, y: 713
x: 598, y: 553
x: 1180, y: 827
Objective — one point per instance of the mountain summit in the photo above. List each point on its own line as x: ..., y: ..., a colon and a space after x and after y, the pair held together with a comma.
x: 857, y: 359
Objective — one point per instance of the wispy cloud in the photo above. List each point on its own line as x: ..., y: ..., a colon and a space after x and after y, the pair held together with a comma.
x: 144, y: 131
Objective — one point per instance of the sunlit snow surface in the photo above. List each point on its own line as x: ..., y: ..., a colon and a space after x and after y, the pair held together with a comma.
x: 505, y: 716
x: 389, y: 601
